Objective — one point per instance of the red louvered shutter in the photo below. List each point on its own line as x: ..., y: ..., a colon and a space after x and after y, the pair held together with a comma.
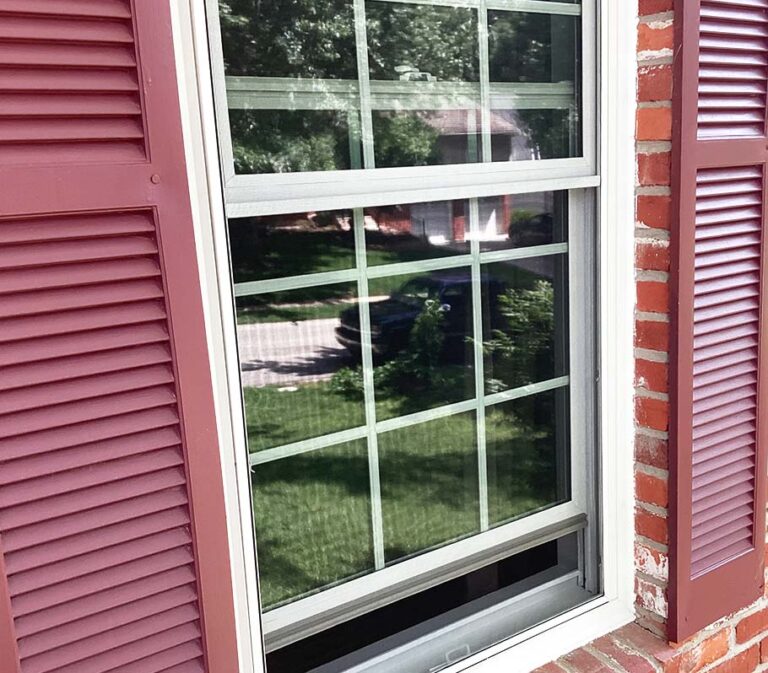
x: 720, y: 371
x: 113, y: 545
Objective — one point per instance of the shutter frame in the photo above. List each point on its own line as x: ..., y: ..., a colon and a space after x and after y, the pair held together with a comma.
x: 696, y: 599
x: 107, y: 182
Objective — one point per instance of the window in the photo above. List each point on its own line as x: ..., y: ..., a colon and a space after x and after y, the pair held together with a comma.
x: 410, y: 193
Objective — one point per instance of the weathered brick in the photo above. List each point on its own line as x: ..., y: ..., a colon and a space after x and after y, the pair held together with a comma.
x: 651, y: 451
x: 654, y: 123
x: 764, y: 651
x: 651, y: 489
x: 652, y: 255
x: 652, y: 376
x: 655, y: 36
x: 744, y: 662
x: 708, y: 651
x: 651, y: 562
x: 652, y: 335
x: 654, y: 211
x: 552, y: 667
x: 752, y: 625
x: 651, y: 597
x: 652, y: 413
x: 653, y: 168
x: 652, y: 296
x: 654, y: 83
x: 644, y: 641
x: 622, y: 655
x: 582, y: 661
x: 648, y: 7
x: 651, y: 526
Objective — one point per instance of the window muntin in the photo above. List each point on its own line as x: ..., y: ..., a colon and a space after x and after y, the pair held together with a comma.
x: 390, y: 83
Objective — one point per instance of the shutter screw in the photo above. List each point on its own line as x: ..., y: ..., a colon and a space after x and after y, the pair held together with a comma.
x: 155, y: 179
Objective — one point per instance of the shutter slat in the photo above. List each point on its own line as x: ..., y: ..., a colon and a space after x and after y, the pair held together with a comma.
x: 103, y: 9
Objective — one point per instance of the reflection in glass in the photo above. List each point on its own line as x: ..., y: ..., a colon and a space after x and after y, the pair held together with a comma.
x: 301, y: 38
x: 289, y: 355
x: 527, y: 454
x: 313, y: 522
x: 421, y: 329
x: 277, y: 246
x: 429, y: 488
x: 522, y: 220
x: 416, y: 231
x: 288, y: 141
x: 425, y: 138
x: 534, y: 75
x: 422, y: 43
x: 524, y: 321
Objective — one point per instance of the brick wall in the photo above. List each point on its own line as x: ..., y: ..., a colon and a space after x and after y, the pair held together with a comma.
x: 738, y: 643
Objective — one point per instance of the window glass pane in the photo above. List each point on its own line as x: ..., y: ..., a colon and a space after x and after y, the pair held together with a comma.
x: 313, y: 521
x: 422, y: 43
x: 534, y: 61
x: 523, y: 220
x: 428, y: 485
x: 527, y: 455
x: 524, y: 322
x: 293, y: 141
x: 421, y: 334
x: 291, y: 245
x: 416, y: 231
x: 289, y: 353
x: 425, y: 138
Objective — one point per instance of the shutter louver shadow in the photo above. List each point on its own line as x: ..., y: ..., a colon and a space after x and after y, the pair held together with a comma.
x: 717, y: 436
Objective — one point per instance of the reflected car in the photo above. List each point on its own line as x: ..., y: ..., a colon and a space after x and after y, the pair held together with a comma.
x: 393, y: 318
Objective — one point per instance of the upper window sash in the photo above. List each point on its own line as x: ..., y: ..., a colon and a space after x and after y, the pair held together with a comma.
x: 269, y: 193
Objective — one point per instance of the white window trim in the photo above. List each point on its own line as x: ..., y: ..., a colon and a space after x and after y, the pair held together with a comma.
x: 557, y: 636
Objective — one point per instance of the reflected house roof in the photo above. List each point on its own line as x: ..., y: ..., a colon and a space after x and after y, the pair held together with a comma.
x: 456, y: 122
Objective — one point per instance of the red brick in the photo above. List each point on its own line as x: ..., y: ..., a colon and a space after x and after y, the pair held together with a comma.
x: 550, y: 668
x: 654, y: 123
x: 644, y: 641
x: 654, y: 211
x: 654, y: 168
x: 652, y: 413
x: 652, y: 296
x: 654, y: 37
x: 651, y: 489
x: 652, y: 335
x: 651, y: 451
x: 744, y: 662
x: 652, y: 375
x: 651, y: 526
x: 705, y: 653
x: 651, y: 562
x: 751, y: 626
x: 583, y: 662
x: 654, y: 83
x: 629, y: 661
x: 652, y: 255
x: 651, y: 597
x: 654, y: 6
x: 764, y: 651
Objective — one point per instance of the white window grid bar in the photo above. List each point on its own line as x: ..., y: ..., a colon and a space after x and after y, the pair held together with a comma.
x: 366, y: 115
x: 485, y: 78
x: 531, y: 6
x: 286, y: 283
x: 263, y: 194
x: 289, y: 93
x: 377, y: 521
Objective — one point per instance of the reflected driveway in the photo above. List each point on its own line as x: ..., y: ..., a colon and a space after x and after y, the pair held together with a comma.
x: 290, y: 353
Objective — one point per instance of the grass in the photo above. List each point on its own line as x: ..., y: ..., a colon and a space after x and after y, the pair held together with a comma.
x: 313, y: 510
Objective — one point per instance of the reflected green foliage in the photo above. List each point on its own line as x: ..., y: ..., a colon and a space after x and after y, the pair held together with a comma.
x: 287, y: 142
x: 526, y: 339
x: 289, y: 38
x: 313, y: 521
x: 429, y: 487
x: 522, y: 454
x: 436, y: 41
x: 404, y: 140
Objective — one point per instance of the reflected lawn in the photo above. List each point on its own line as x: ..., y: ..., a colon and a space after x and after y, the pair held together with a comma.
x: 313, y: 512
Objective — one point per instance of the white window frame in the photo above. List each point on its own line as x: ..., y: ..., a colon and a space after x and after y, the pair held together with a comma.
x: 534, y: 646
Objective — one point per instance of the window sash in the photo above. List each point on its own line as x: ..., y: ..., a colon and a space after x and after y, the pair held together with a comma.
x: 263, y: 194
